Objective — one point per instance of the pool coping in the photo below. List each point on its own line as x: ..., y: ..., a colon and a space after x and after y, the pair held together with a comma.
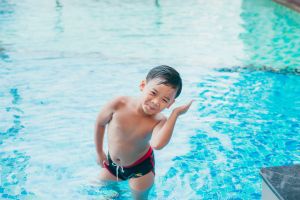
x: 278, y: 178
x: 292, y: 4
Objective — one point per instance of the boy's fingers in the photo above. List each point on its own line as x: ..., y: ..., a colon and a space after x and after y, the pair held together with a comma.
x: 187, y: 106
x: 190, y: 103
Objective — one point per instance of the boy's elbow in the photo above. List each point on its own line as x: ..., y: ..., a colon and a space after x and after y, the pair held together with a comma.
x: 156, y: 146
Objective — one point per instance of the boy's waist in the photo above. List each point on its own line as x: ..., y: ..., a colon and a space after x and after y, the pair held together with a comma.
x: 142, y: 158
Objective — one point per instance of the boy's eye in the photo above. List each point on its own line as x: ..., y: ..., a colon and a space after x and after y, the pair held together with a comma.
x: 165, y: 101
x: 153, y: 93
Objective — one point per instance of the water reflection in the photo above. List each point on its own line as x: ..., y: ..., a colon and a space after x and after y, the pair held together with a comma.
x: 271, y: 36
x: 13, y: 166
x: 4, y: 56
x: 245, y: 121
x: 13, y: 163
x: 59, y: 27
x: 157, y: 4
x: 7, y: 10
x: 16, y: 127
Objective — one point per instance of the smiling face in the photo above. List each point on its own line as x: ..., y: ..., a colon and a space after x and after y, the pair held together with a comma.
x: 156, y: 96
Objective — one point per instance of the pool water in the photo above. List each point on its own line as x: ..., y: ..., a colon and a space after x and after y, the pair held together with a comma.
x: 61, y: 61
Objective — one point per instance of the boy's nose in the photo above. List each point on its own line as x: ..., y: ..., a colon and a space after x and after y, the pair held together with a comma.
x: 155, y: 101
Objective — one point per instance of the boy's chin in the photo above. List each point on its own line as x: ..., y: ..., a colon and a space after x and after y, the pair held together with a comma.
x: 149, y: 112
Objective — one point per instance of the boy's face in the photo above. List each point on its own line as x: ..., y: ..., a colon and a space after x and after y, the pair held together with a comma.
x: 156, y: 96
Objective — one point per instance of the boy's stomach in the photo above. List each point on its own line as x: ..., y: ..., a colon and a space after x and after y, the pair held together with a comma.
x: 126, y: 155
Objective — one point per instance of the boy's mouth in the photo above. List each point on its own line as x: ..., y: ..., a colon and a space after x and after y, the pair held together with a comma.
x: 151, y: 108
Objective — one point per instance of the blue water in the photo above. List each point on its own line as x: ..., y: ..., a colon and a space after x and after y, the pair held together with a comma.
x: 60, y: 61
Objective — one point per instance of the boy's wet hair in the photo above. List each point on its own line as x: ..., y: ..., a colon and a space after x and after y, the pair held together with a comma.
x: 168, y: 75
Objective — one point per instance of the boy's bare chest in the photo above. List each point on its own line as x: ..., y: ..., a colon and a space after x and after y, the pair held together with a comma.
x: 130, y: 123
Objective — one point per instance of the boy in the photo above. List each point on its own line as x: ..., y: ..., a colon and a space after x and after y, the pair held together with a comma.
x: 135, y: 126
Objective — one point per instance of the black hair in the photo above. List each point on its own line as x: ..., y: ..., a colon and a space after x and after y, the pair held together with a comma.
x: 168, y: 75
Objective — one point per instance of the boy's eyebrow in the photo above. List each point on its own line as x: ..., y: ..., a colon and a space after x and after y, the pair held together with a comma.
x: 164, y: 96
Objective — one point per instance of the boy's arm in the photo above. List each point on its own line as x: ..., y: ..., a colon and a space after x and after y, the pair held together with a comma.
x: 103, y: 118
x: 163, y: 131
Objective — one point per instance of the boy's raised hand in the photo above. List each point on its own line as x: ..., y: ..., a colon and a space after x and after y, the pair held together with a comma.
x: 182, y: 109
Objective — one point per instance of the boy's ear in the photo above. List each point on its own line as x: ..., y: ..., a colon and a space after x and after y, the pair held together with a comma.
x: 142, y: 85
x: 171, y: 103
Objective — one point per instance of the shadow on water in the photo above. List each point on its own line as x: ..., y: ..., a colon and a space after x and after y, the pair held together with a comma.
x: 13, y: 163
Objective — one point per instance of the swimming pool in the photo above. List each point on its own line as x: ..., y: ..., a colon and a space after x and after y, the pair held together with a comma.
x: 60, y: 61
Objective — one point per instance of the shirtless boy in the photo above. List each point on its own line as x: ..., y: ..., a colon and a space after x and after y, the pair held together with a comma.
x: 136, y: 126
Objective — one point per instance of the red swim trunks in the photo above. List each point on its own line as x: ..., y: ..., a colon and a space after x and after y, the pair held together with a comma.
x: 139, y: 168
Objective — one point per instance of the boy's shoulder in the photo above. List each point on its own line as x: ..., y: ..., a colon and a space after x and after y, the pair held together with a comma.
x: 120, y: 101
